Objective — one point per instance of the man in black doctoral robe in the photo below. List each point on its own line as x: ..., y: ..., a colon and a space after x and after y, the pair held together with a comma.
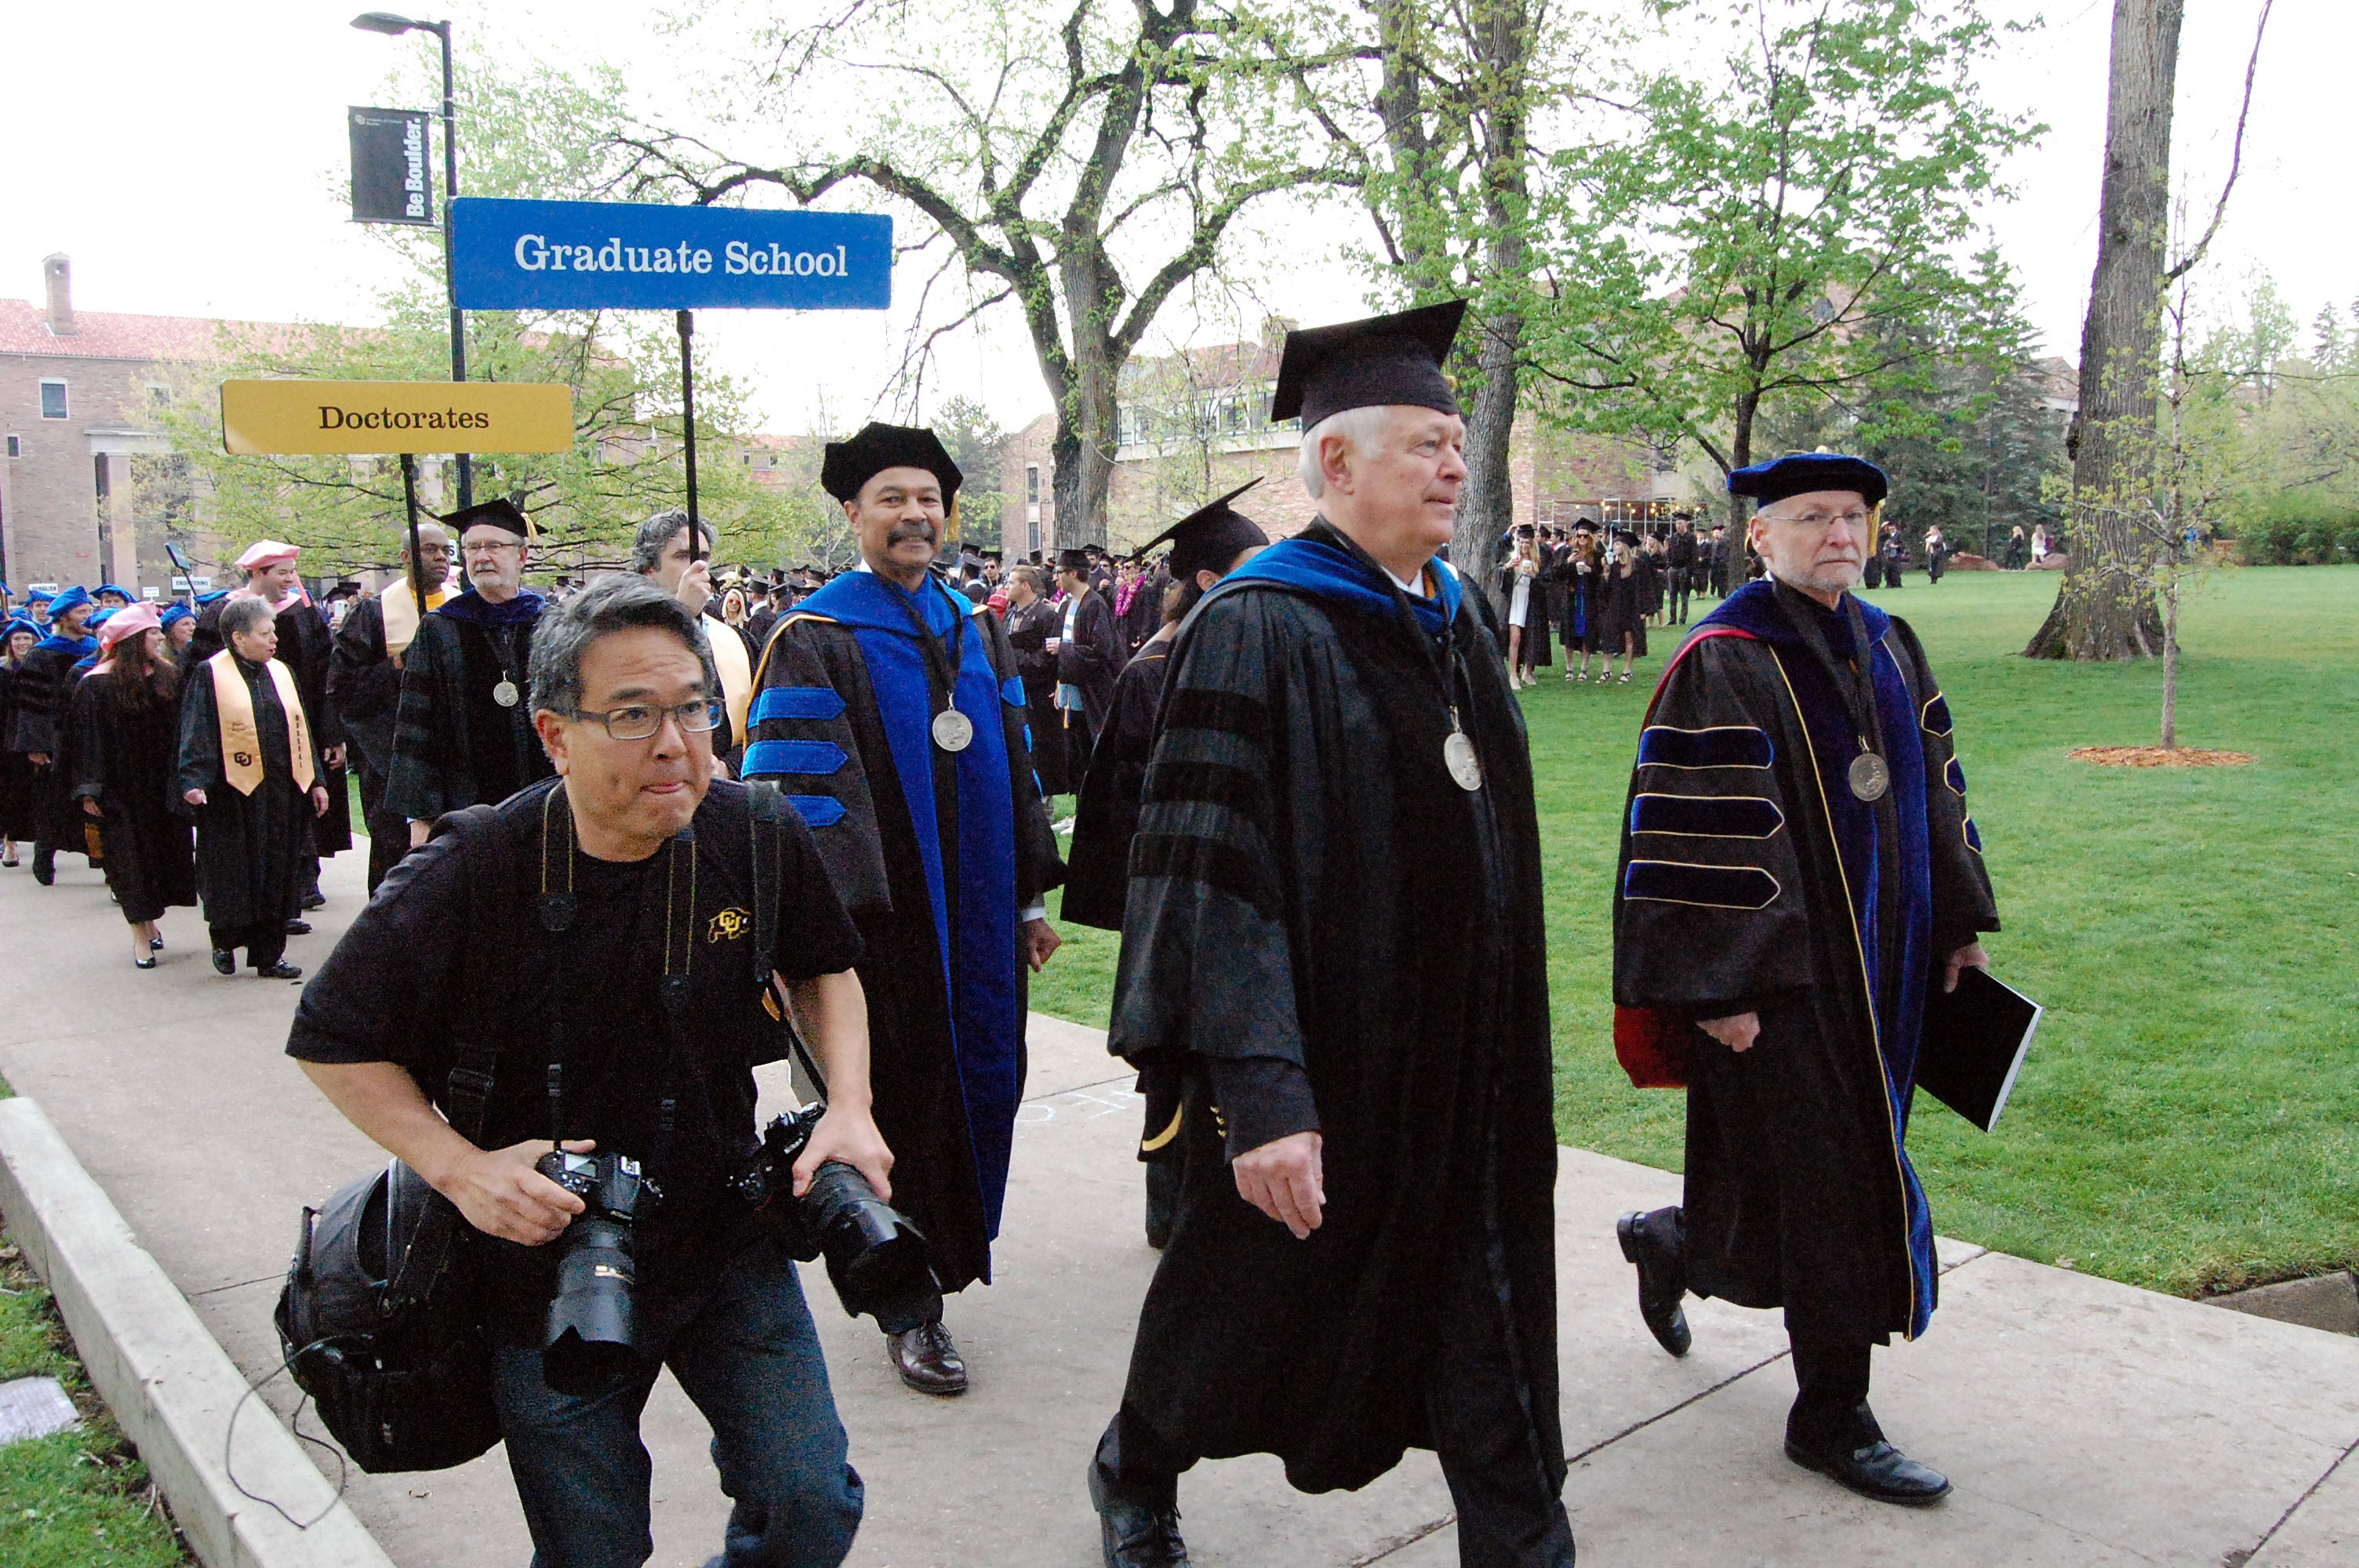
x: 889, y: 714
x: 462, y: 734
x: 1334, y: 929
x: 250, y: 773
x: 44, y: 686
x: 364, y: 682
x: 1031, y: 621
x: 1088, y: 645
x: 1798, y: 871
x: 1206, y: 546
x: 305, y: 646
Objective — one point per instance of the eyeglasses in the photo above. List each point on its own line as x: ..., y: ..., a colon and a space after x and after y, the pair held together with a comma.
x: 490, y: 546
x: 1820, y: 520
x: 640, y: 721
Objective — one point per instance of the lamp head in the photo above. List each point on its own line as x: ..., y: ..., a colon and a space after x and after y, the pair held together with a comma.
x: 383, y: 22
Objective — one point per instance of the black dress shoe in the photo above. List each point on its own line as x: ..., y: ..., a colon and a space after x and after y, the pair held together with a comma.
x: 224, y: 961
x: 155, y: 943
x: 927, y: 1359
x: 281, y: 970
x: 1133, y: 1535
x: 148, y: 963
x: 314, y: 899
x: 1879, y: 1471
x: 1662, y: 1280
x: 299, y: 928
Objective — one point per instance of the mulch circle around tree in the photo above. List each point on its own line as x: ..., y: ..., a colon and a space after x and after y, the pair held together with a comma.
x: 2157, y: 757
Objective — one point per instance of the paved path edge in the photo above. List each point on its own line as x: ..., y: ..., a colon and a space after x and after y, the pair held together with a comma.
x: 172, y: 1387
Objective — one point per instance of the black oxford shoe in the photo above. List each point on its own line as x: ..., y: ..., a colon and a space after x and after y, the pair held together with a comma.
x: 927, y: 1359
x: 1133, y: 1535
x: 281, y: 970
x: 224, y: 961
x: 1662, y: 1280
x: 1879, y: 1471
x: 299, y: 928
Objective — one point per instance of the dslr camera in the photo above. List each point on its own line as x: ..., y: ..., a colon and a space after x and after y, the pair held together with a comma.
x: 589, y: 1332
x: 877, y: 1258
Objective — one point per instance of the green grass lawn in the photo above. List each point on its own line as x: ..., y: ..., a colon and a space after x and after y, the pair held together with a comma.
x: 78, y: 1500
x: 2189, y: 1117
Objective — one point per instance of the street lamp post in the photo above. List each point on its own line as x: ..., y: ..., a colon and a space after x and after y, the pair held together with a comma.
x: 386, y: 22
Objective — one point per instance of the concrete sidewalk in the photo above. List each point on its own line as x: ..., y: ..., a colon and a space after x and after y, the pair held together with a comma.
x: 2084, y: 1421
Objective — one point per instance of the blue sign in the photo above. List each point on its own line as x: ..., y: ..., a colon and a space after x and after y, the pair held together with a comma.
x: 600, y: 256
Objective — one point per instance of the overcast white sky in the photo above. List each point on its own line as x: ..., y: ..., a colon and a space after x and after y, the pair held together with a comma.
x: 191, y: 159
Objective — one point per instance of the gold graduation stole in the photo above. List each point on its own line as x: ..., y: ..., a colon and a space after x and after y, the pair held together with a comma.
x: 736, y: 673
x: 401, y: 614
x: 241, y: 737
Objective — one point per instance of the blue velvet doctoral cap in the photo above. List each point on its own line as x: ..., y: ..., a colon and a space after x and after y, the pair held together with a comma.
x: 1770, y: 482
x: 19, y: 624
x: 65, y: 602
x: 176, y: 611
x: 123, y: 593
x: 1375, y: 363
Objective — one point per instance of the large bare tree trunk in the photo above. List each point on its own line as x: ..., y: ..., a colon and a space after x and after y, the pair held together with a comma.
x: 1502, y: 40
x: 2102, y: 611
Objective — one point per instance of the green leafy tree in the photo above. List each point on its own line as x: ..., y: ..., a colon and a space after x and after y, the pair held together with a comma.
x: 1786, y: 226
x: 1084, y: 160
x: 977, y: 444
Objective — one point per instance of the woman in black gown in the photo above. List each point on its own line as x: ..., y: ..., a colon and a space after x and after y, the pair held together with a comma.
x: 1621, y: 613
x: 124, y: 721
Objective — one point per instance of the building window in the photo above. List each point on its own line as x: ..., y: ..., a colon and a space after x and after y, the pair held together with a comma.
x: 16, y: 445
x: 98, y: 468
x: 1031, y: 483
x: 53, y: 400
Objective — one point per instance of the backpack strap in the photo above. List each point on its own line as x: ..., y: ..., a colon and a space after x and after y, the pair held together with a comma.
x: 765, y: 810
x: 489, y: 884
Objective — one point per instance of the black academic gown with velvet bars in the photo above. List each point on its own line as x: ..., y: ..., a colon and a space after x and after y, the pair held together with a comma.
x: 1752, y: 879
x: 1309, y: 887
x: 453, y: 745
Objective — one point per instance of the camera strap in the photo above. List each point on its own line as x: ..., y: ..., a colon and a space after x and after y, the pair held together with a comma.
x: 765, y: 802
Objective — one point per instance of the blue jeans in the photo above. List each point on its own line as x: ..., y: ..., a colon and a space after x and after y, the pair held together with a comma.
x: 750, y: 1360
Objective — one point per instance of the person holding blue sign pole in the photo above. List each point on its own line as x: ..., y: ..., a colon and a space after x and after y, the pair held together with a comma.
x: 888, y: 710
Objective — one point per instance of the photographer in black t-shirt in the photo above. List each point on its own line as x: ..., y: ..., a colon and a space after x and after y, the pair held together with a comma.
x: 555, y: 929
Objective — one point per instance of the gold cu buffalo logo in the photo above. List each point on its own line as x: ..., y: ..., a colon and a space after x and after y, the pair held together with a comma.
x: 243, y: 759
x: 730, y: 924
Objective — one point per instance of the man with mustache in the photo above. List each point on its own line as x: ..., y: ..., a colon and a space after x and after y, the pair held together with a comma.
x: 889, y: 712
x: 1797, y: 871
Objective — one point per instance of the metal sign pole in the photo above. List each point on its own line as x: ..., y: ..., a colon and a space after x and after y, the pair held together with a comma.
x: 687, y: 323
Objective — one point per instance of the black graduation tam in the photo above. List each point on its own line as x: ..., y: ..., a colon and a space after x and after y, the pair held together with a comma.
x: 502, y: 513
x: 1209, y: 537
x: 1374, y: 363
x: 1073, y: 561
x: 1803, y: 472
x: 850, y: 464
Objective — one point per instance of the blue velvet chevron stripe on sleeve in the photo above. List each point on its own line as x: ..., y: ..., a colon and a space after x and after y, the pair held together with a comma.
x: 765, y: 759
x: 1718, y: 746
x: 795, y: 702
x: 1706, y: 817
x: 1711, y: 887
x: 817, y: 810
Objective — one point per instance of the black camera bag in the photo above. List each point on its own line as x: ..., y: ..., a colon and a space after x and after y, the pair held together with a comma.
x: 379, y: 1320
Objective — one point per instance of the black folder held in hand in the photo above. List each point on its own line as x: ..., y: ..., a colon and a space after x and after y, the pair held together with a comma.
x: 1974, y: 1042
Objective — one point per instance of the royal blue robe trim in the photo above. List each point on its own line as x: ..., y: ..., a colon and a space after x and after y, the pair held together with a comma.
x: 817, y: 810
x: 817, y: 702
x: 816, y: 759
x: 1322, y: 571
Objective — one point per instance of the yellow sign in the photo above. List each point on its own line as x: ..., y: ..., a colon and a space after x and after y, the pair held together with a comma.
x: 280, y: 418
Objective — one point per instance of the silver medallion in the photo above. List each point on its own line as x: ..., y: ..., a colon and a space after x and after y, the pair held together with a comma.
x: 505, y: 692
x: 1870, y: 777
x: 953, y: 730
x: 1458, y: 756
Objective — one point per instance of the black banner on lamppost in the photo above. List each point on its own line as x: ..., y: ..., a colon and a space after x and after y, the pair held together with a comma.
x: 392, y: 164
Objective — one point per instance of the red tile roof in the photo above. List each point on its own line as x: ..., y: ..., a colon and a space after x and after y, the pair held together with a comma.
x: 105, y: 335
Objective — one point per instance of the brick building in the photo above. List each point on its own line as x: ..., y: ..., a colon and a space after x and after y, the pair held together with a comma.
x: 1194, y: 425
x: 87, y: 481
